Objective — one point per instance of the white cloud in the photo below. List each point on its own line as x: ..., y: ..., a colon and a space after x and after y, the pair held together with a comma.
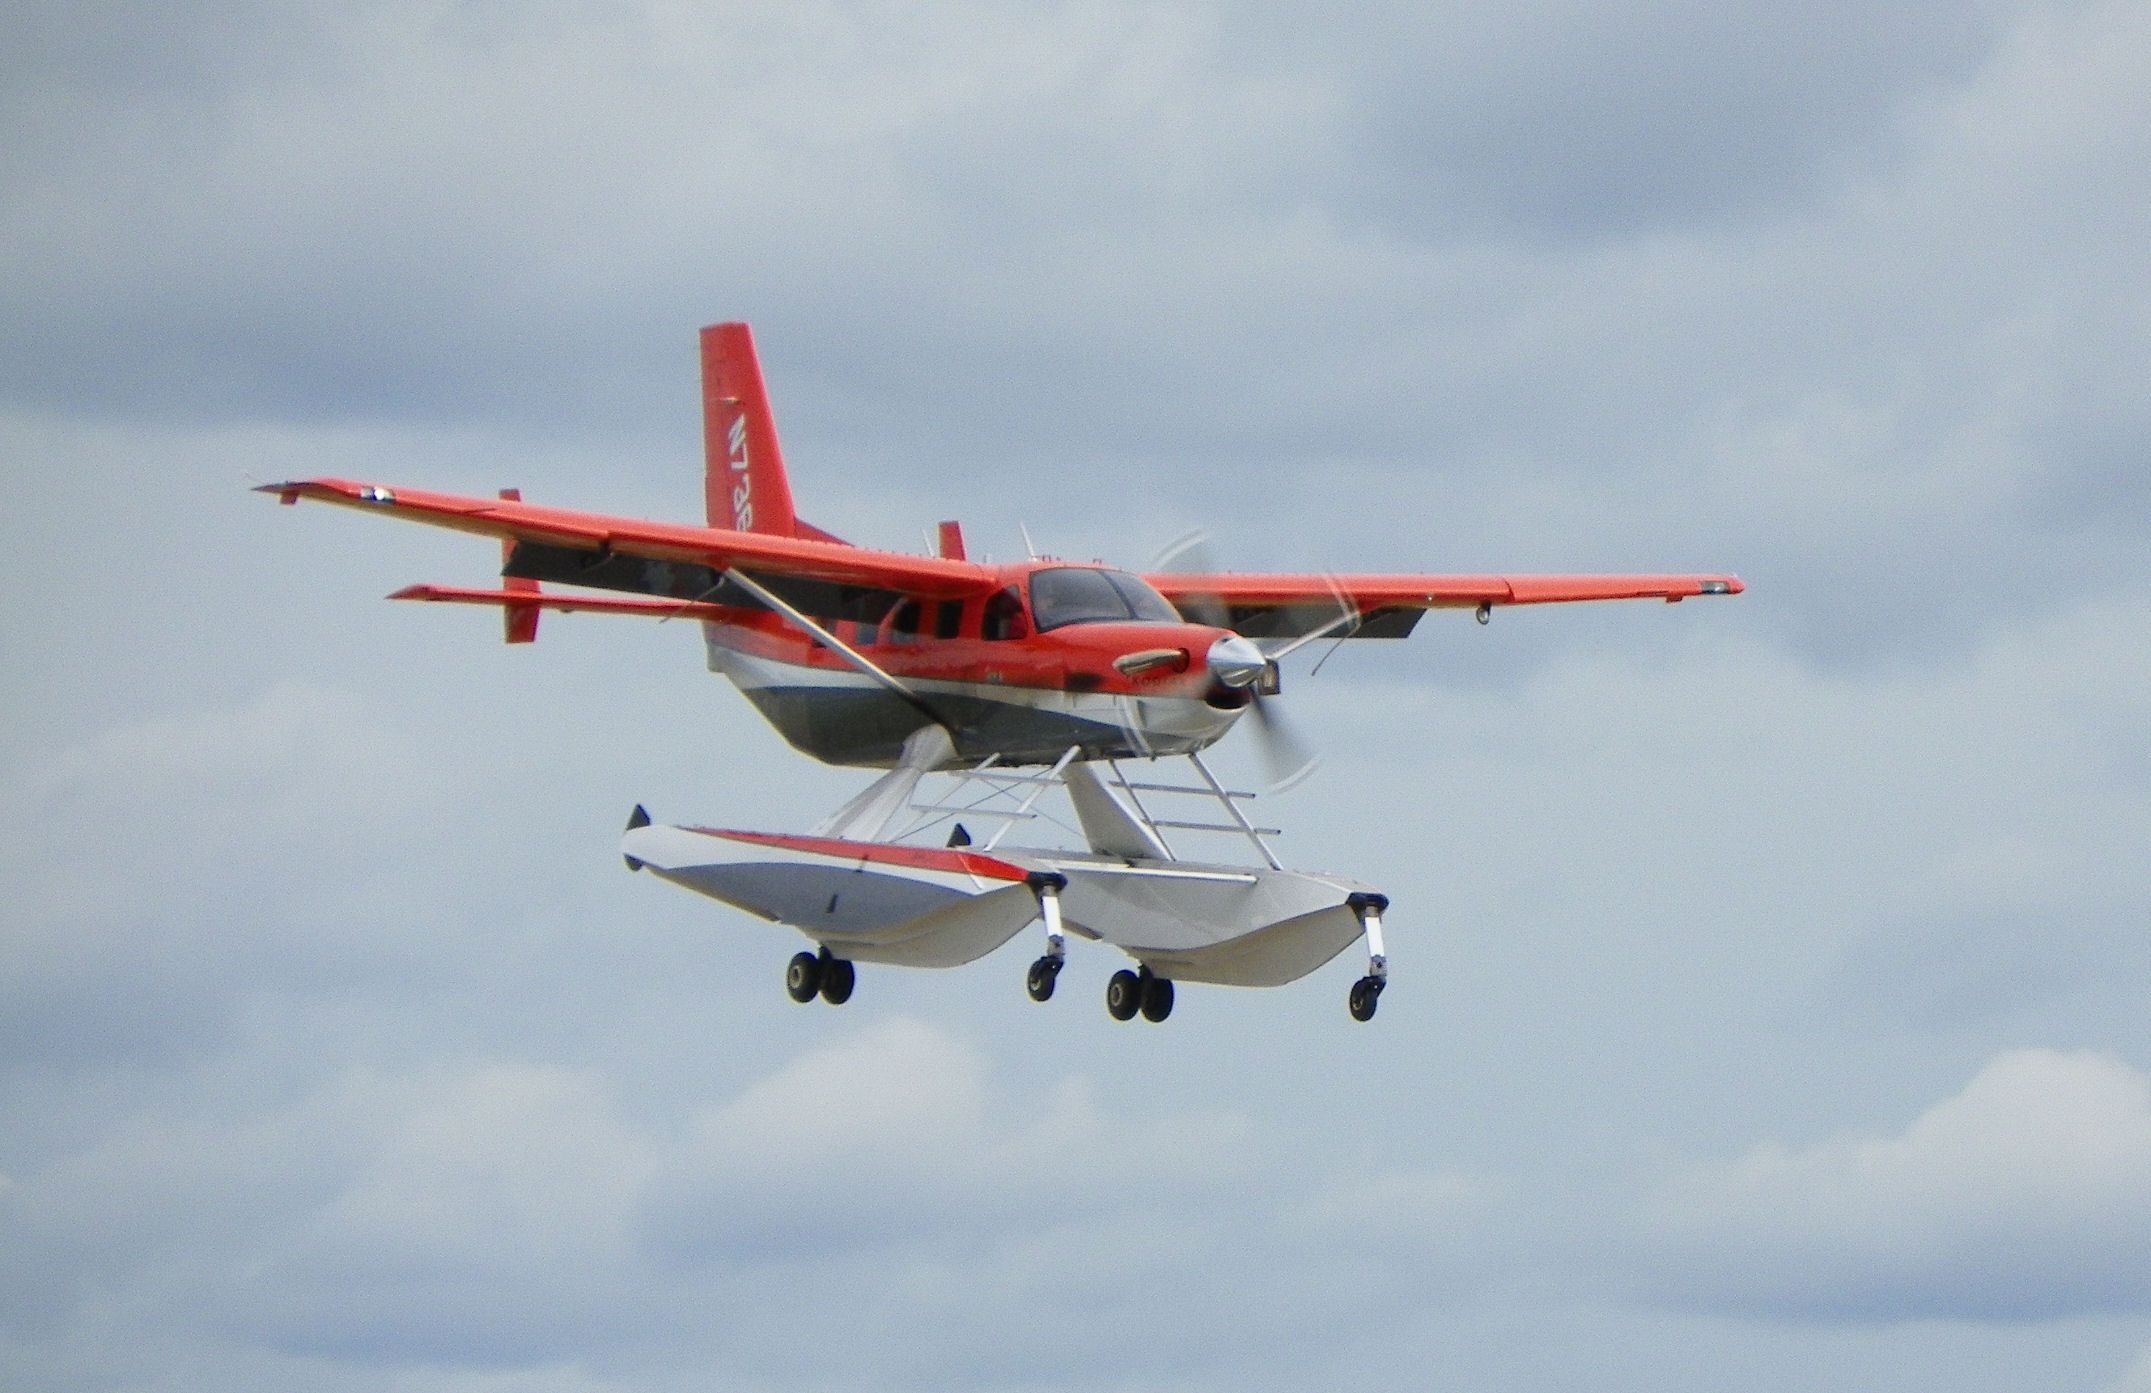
x: 2026, y: 1196
x: 507, y: 1215
x: 241, y: 761
x: 1413, y: 1207
x: 895, y: 1133
x: 2136, y: 1378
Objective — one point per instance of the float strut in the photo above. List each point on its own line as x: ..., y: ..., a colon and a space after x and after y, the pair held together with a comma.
x: 1047, y: 886
x: 1369, y: 909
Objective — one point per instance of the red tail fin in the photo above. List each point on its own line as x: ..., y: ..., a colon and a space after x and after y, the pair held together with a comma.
x: 745, y: 483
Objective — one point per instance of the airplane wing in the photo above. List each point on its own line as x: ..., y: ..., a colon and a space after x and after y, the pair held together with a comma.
x: 598, y: 539
x: 1285, y: 606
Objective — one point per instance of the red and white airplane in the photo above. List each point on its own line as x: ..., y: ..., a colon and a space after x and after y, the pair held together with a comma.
x: 1013, y: 679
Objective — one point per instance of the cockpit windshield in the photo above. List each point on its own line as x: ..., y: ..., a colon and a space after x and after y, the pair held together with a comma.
x: 1085, y: 595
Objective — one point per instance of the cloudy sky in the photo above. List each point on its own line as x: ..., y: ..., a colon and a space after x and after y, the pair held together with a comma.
x: 1772, y: 976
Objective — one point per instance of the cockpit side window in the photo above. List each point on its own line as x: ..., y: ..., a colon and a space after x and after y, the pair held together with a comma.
x: 1143, y: 602
x: 1084, y: 595
x: 1074, y: 597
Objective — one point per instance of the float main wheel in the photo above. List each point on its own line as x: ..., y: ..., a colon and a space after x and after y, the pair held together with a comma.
x: 803, y: 977
x: 1157, y: 998
x: 1123, y: 995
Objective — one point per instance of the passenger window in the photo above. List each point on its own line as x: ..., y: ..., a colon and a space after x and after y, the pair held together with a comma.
x: 1004, y: 616
x: 948, y: 619
x: 904, y: 623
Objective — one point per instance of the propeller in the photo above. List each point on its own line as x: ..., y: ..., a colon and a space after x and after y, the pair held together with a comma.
x: 1191, y: 555
x: 1287, y: 756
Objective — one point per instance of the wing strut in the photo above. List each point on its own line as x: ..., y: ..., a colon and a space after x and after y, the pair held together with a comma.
x: 836, y: 645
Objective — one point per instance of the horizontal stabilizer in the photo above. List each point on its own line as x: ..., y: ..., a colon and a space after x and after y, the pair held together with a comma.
x: 534, y: 601
x: 599, y: 536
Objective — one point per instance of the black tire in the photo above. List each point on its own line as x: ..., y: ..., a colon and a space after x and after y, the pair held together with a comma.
x: 837, y: 981
x: 1366, y: 993
x: 1123, y: 995
x: 1157, y: 998
x: 1039, y: 980
x: 803, y: 977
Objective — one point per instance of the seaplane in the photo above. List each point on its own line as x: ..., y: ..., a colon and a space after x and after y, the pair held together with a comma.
x: 1011, y: 682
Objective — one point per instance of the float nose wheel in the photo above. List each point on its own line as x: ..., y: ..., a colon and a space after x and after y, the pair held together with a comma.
x: 1047, y: 886
x: 1367, y: 991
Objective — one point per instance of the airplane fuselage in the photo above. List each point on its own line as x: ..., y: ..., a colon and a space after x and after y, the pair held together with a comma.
x: 1040, y: 665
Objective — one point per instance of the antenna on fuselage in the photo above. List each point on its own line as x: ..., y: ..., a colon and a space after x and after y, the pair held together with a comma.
x: 1030, y: 548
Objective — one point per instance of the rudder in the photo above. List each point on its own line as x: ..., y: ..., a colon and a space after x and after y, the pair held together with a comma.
x: 744, y: 485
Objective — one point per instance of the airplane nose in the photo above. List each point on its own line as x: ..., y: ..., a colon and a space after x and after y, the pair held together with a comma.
x: 1235, y: 662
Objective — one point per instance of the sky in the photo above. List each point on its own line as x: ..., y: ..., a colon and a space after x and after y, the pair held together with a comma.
x: 1770, y: 976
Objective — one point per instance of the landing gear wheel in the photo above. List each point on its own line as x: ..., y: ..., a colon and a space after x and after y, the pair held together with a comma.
x: 1039, y: 980
x: 837, y: 980
x: 1123, y: 995
x: 803, y: 977
x: 1365, y: 993
x: 1157, y: 997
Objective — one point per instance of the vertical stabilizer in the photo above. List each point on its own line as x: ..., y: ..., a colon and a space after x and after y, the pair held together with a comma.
x: 745, y: 484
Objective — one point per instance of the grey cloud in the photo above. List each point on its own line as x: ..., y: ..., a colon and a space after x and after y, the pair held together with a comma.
x: 411, y: 229
x: 1938, y: 971
x: 1574, y: 122
x: 139, y: 931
